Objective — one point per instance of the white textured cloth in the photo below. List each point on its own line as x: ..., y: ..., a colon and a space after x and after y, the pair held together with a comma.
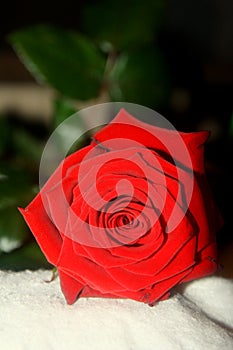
x: 34, y: 315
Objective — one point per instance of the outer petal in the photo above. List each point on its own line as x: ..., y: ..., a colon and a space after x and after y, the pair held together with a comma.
x: 37, y: 213
x: 125, y: 126
x: 70, y: 287
x: 205, y: 212
x: 159, y: 290
x: 92, y: 274
x: 206, y: 264
x: 179, y: 263
x: 46, y: 234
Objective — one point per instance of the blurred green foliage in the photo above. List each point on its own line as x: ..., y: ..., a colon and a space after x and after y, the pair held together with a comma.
x: 64, y: 59
x: 116, y: 54
x: 19, y: 158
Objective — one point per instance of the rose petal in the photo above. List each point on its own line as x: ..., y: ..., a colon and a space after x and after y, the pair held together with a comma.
x: 206, y: 264
x: 46, y: 234
x: 92, y: 274
x: 70, y: 287
x: 174, y: 242
x: 183, y: 260
x: 122, y: 255
x: 125, y: 126
x: 159, y: 290
x: 59, y: 200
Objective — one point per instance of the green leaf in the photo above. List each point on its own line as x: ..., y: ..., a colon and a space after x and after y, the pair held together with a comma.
x: 66, y: 60
x: 140, y: 76
x: 124, y: 24
x: 27, y: 257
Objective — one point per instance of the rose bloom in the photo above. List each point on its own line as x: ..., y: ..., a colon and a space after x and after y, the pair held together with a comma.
x: 129, y: 216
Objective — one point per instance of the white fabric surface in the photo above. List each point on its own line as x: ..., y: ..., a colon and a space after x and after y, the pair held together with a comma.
x: 34, y: 315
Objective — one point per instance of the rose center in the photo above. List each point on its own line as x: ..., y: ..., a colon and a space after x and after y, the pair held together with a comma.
x: 122, y: 220
x: 125, y: 220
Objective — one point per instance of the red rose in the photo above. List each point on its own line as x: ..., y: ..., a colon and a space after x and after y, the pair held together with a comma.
x: 130, y: 215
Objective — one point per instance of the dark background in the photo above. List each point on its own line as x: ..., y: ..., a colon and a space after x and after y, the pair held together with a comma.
x: 196, y: 39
